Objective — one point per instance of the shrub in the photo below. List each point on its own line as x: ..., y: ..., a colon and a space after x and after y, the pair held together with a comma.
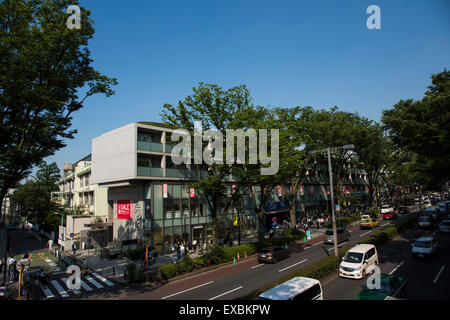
x: 231, y: 252
x: 168, y: 271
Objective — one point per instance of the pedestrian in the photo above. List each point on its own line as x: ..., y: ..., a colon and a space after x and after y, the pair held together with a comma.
x: 182, y: 250
x: 174, y: 248
x: 74, y: 248
x: 85, y: 267
x: 12, y: 266
x: 194, y: 245
x: 50, y: 244
x: 204, y: 247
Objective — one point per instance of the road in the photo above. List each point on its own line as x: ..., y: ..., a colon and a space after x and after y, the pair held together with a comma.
x: 234, y: 281
x: 427, y: 279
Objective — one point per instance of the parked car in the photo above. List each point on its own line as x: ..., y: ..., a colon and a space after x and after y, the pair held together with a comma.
x: 425, y: 222
x: 390, y: 215
x: 391, y: 286
x: 403, y: 210
x: 444, y: 206
x: 342, y: 235
x: 368, y: 221
x: 273, y: 254
x: 358, y: 261
x: 433, y: 212
x: 444, y: 226
x: 427, y: 204
x: 298, y: 288
x: 386, y: 208
x: 424, y: 246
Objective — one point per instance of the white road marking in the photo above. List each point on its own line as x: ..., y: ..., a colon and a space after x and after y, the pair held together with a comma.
x: 76, y: 291
x: 258, y: 265
x: 47, y: 292
x: 437, y: 276
x: 220, y: 295
x: 60, y: 289
x: 395, y: 269
x: 316, y: 244
x: 292, y: 265
x: 85, y: 286
x: 174, y: 294
x: 95, y: 283
x: 361, y: 235
x: 99, y: 276
x: 386, y: 224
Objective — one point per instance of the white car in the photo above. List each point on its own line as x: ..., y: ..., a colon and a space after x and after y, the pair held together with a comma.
x: 359, y: 261
x: 386, y: 208
x: 424, y: 246
x: 444, y: 226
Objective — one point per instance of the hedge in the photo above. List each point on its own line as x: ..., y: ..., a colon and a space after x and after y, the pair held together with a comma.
x: 226, y: 254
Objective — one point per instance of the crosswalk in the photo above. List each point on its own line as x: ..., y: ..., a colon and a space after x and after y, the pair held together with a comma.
x: 89, y: 283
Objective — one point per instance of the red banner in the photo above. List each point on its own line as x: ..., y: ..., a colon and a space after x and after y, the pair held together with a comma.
x: 192, y: 192
x: 123, y: 209
x: 164, y: 190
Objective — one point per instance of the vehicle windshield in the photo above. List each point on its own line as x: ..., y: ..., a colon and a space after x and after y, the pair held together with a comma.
x: 353, y: 257
x: 366, y: 221
x: 422, y: 244
x: 365, y: 217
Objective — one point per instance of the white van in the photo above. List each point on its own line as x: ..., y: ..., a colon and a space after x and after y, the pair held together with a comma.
x: 359, y: 261
x: 298, y: 288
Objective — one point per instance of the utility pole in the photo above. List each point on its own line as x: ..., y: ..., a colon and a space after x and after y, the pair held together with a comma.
x: 333, y: 209
x: 328, y: 152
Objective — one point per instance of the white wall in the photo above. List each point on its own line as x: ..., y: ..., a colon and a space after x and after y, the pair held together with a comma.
x: 114, y: 155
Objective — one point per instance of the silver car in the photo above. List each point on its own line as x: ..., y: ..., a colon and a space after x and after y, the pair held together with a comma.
x: 444, y: 226
x: 342, y: 235
x: 424, y: 246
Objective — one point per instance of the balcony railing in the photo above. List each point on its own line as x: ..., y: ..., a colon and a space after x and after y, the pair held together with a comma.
x: 149, y: 172
x: 150, y: 146
x: 178, y: 173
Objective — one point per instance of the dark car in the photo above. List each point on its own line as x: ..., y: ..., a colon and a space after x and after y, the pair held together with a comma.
x: 273, y: 254
x: 403, y: 210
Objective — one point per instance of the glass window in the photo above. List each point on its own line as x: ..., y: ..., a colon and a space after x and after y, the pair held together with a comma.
x: 176, y: 191
x: 309, y: 294
x: 185, y: 207
x: 157, y: 201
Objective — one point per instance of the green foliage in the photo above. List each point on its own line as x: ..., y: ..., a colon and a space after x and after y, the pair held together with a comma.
x: 421, y: 127
x: 215, y: 256
x: 134, y: 254
x: 43, y: 66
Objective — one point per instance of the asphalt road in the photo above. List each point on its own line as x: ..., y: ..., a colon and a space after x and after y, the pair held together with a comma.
x: 427, y: 279
x: 233, y: 281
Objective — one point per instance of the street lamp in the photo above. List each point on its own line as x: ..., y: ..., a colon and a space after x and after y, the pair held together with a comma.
x: 328, y: 152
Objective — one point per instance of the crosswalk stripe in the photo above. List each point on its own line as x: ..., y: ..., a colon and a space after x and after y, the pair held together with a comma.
x: 47, y: 292
x: 60, y: 289
x: 76, y: 291
x: 85, y: 286
x: 95, y: 283
x: 99, y: 276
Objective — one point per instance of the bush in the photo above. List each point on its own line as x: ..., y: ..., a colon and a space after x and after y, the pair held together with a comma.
x: 231, y: 252
x: 168, y: 271
x: 134, y: 254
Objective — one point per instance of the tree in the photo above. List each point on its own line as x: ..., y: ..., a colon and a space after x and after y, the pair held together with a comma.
x: 422, y: 127
x: 215, y: 108
x: 44, y: 66
x: 34, y: 197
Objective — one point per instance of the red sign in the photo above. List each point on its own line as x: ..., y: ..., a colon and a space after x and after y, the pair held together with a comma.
x: 192, y: 192
x: 164, y: 190
x: 123, y: 209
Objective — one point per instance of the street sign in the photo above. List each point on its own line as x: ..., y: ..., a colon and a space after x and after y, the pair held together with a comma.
x: 274, y: 219
x: 72, y: 235
x: 338, y: 208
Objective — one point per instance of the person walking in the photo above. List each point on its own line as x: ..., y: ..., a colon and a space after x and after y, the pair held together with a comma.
x: 182, y: 250
x: 74, y: 248
x: 194, y: 245
x: 11, y: 269
x: 50, y: 244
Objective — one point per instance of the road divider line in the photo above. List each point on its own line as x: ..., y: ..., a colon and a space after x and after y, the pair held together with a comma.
x: 101, y: 278
x: 48, y: 293
x: 60, y: 289
x: 361, y: 235
x: 174, y: 294
x: 258, y: 265
x: 220, y: 295
x: 437, y: 276
x: 95, y: 283
x: 292, y: 265
x: 395, y: 269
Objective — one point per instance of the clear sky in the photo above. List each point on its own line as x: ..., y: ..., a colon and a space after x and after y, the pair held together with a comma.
x: 287, y: 52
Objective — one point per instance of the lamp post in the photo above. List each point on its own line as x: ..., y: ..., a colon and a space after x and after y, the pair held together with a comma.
x: 329, y: 151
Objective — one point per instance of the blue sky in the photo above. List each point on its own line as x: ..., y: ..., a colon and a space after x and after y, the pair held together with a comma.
x: 288, y: 53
